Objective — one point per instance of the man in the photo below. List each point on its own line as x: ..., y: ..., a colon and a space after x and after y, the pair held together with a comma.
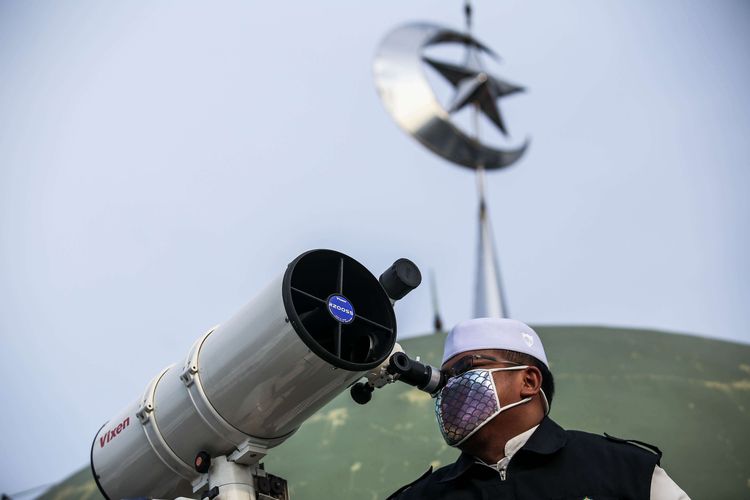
x: 494, y: 409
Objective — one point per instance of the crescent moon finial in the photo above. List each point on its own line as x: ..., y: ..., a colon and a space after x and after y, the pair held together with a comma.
x: 399, y: 70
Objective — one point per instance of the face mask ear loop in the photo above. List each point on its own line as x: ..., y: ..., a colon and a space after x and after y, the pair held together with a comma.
x: 508, y: 407
x: 522, y: 367
x: 494, y: 387
x: 544, y: 400
x: 497, y: 396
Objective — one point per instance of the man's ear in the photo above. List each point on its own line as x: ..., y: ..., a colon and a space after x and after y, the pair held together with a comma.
x: 531, y: 382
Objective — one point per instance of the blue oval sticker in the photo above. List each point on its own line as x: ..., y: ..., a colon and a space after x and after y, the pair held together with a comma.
x: 341, y: 309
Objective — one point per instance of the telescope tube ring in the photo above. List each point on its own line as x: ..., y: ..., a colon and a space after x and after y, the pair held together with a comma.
x: 154, y: 436
x: 190, y: 376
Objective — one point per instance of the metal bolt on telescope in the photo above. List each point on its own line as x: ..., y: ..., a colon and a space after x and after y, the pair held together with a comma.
x: 202, y: 426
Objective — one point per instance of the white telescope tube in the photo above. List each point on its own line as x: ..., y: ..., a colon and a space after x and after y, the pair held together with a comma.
x: 249, y: 383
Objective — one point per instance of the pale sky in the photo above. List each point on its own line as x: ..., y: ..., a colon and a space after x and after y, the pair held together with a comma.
x: 160, y: 162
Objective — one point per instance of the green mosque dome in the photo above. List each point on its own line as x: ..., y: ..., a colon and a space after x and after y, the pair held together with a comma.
x: 688, y: 395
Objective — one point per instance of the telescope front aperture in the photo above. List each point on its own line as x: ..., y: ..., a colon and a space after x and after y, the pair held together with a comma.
x: 339, y: 309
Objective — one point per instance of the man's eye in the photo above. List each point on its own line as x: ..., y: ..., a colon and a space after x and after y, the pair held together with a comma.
x: 463, y: 366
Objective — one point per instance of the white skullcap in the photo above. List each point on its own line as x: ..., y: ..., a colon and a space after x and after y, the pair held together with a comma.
x: 494, y: 333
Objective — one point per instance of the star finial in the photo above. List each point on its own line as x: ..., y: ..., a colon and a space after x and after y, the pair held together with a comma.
x: 474, y: 85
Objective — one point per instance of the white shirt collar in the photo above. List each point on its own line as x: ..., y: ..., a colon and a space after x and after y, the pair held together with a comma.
x: 511, y: 448
x: 516, y: 443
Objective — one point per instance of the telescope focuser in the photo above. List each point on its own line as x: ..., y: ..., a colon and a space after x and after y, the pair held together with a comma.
x: 361, y: 392
x: 401, y: 367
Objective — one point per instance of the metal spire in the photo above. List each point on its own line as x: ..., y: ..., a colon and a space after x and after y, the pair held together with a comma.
x: 489, y: 299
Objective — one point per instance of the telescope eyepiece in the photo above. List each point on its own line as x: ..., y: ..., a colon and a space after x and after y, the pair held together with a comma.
x: 424, y: 377
x: 400, y: 364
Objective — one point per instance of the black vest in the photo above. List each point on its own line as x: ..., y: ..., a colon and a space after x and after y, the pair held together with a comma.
x: 553, y: 464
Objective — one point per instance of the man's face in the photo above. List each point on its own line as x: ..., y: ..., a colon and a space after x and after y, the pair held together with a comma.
x: 506, y: 382
x: 509, y: 385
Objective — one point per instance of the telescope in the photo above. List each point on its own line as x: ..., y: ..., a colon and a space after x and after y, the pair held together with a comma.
x: 203, y: 425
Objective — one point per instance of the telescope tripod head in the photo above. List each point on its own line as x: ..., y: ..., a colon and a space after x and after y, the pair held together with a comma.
x: 237, y: 481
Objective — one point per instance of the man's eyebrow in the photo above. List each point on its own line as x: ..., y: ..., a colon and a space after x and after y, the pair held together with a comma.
x: 481, y: 357
x: 484, y: 360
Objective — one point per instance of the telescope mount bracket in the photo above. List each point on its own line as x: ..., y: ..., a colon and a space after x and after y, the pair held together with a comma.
x: 237, y: 481
x: 248, y: 453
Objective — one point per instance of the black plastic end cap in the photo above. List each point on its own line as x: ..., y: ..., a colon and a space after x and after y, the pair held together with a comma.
x: 211, y: 494
x: 401, y: 278
x: 361, y: 392
x: 399, y: 364
x: 202, y: 462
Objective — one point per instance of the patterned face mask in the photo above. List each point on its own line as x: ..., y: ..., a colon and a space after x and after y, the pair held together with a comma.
x: 468, y: 401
